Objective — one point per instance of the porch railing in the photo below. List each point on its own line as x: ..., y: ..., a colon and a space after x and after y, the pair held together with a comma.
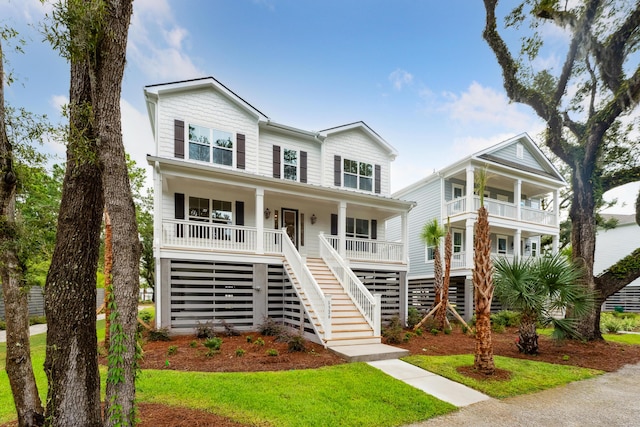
x: 273, y: 241
x: 538, y: 216
x: 320, y: 303
x: 209, y: 236
x: 456, y: 206
x: 369, y: 250
x: 497, y: 207
x: 458, y: 260
x: 369, y: 305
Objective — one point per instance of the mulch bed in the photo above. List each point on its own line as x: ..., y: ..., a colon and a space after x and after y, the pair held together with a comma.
x: 190, y: 355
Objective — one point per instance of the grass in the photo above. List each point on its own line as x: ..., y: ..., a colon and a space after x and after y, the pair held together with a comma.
x: 526, y: 376
x: 343, y: 395
x: 633, y: 339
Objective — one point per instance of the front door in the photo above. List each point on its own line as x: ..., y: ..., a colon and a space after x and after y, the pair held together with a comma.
x: 290, y: 223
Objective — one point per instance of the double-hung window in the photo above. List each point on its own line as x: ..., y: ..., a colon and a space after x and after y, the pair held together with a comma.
x: 358, y: 175
x: 358, y: 228
x: 290, y: 164
x: 210, y: 145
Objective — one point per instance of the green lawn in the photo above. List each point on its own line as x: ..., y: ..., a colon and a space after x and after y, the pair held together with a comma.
x: 343, y: 395
x: 526, y: 376
x: 633, y: 339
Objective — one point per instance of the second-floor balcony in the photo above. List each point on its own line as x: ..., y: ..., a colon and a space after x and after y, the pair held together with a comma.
x: 502, y: 209
x: 192, y: 235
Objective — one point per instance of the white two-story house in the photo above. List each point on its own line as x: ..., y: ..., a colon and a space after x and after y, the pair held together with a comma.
x: 523, y: 203
x: 256, y: 219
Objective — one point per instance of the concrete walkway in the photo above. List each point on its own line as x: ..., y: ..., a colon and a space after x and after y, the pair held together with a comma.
x: 435, y: 385
x: 607, y: 400
x: 36, y: 329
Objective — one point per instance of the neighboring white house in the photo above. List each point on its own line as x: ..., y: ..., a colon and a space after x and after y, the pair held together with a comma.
x: 255, y: 218
x: 611, y: 246
x: 521, y: 197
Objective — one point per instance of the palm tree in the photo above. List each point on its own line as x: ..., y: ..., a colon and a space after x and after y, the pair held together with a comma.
x: 541, y: 289
x: 431, y: 234
x: 441, y: 315
x: 483, y: 284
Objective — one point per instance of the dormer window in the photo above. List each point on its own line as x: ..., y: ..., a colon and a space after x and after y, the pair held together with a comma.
x: 358, y: 175
x: 210, y: 145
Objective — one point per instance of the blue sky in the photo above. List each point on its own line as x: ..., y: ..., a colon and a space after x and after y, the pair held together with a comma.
x: 417, y: 72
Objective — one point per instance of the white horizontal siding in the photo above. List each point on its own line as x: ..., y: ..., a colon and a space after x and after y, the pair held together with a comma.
x: 354, y: 144
x: 509, y: 153
x: 268, y: 139
x: 205, y: 107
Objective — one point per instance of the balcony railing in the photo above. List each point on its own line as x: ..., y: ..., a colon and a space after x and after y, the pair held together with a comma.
x: 502, y: 209
x: 231, y: 238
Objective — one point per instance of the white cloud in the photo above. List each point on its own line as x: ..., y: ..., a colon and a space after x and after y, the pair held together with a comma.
x: 58, y: 102
x: 137, y: 137
x: 400, y: 78
x: 156, y: 43
x: 31, y: 11
x: 484, y: 105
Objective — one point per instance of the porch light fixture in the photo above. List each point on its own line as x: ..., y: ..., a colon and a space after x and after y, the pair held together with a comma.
x: 313, y: 218
x: 267, y: 213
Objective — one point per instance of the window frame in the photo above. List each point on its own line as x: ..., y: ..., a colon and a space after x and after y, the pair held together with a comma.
x: 285, y: 164
x: 353, y: 222
x: 212, y: 145
x: 358, y: 175
x: 506, y: 245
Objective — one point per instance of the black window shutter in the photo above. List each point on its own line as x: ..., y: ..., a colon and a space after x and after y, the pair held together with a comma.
x: 179, y: 213
x: 239, y: 220
x: 178, y: 139
x: 337, y: 171
x: 334, y: 224
x: 240, y: 151
x: 378, y: 178
x: 303, y: 166
x: 179, y: 205
x: 374, y: 229
x: 276, y: 161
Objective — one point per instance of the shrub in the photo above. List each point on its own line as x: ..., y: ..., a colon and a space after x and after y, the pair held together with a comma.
x: 447, y: 331
x: 146, y: 315
x: 173, y: 349
x: 259, y: 342
x: 611, y: 324
x: 272, y: 352
x: 270, y: 328
x: 37, y: 320
x: 3, y: 325
x: 506, y: 318
x: 240, y: 352
x: 159, y: 334
x: 213, y: 344
x: 413, y: 317
x: 498, y: 328
x: 205, y: 330
x: 296, y: 343
x: 434, y: 332
x: 407, y: 336
x: 193, y: 344
x: 418, y: 332
x: 229, y: 329
x: 393, y: 331
x: 249, y: 338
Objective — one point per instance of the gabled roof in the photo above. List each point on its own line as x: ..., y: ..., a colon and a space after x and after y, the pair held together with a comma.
x: 367, y: 130
x: 151, y: 93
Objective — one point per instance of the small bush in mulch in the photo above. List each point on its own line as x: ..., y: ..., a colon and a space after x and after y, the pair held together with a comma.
x: 159, y: 334
x: 205, y: 330
x: 394, y: 332
x: 270, y: 328
x: 296, y: 343
x: 228, y: 329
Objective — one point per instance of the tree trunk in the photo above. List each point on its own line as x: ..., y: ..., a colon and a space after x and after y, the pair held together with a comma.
x: 71, y: 361
x: 437, y: 287
x: 528, y: 337
x: 108, y: 264
x: 483, y: 294
x: 18, y: 354
x: 441, y: 314
x: 583, y: 243
x: 123, y: 357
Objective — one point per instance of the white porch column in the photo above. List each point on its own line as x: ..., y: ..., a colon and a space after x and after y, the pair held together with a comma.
x: 517, y: 196
x: 404, y: 233
x: 468, y: 244
x: 157, y: 240
x: 556, y: 207
x: 259, y: 220
x: 555, y: 245
x: 342, y: 229
x: 470, y: 187
x: 516, y: 242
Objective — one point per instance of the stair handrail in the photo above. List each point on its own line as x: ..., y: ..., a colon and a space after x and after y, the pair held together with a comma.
x: 367, y: 304
x: 320, y: 303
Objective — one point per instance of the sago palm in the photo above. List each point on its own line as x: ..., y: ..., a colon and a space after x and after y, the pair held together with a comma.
x: 431, y: 234
x: 483, y: 283
x: 541, y: 289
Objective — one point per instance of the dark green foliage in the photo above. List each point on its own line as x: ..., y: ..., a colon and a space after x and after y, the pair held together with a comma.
x: 272, y: 352
x: 393, y: 332
x: 506, y: 318
x: 205, y: 330
x: 3, y: 325
x: 193, y: 344
x: 37, y: 320
x: 240, y: 352
x: 213, y: 344
x: 160, y: 334
x: 259, y: 342
x: 296, y: 343
x: 145, y: 315
x: 173, y: 349
x: 270, y: 328
x: 413, y: 317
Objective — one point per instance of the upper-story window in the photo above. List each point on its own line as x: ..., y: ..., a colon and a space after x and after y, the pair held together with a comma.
x: 290, y: 164
x: 358, y: 175
x: 210, y: 145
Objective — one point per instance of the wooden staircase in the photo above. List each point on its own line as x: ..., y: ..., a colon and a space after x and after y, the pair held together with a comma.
x: 348, y: 325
